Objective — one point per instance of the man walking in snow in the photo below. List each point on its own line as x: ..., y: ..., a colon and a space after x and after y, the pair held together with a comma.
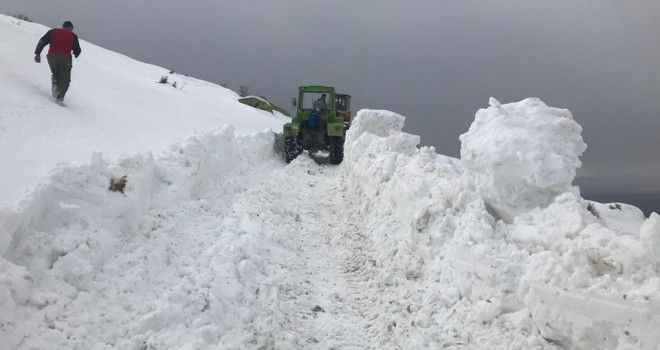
x: 62, y: 41
x: 322, y: 107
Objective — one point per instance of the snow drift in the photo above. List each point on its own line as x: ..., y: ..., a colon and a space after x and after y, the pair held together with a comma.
x: 582, y: 274
x: 95, y: 269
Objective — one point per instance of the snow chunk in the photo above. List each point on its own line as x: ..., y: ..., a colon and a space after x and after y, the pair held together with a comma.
x: 521, y: 155
x: 650, y: 236
x: 378, y: 122
x: 620, y: 217
x: 487, y: 310
x: 494, y: 102
x: 549, y: 227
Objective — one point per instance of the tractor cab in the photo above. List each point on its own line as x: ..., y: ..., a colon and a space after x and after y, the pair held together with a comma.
x: 343, y: 103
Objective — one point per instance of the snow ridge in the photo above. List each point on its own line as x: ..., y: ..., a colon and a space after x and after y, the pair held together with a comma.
x: 558, y: 268
x: 77, y: 246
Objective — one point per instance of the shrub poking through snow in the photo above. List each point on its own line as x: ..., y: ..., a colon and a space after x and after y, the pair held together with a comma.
x: 243, y: 90
x: 163, y: 79
x: 22, y: 17
x: 117, y: 184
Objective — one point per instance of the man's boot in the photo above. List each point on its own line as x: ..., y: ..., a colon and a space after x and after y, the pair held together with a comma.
x: 53, y: 88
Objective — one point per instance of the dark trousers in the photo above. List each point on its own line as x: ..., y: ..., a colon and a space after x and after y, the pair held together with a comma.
x: 60, y: 65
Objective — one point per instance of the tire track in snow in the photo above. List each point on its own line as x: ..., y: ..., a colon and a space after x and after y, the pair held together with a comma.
x: 241, y: 264
x: 319, y: 302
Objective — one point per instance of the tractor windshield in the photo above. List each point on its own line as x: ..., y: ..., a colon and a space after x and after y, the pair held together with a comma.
x: 309, y: 100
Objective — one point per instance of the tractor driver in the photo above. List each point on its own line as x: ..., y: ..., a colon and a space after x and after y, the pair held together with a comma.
x: 322, y: 107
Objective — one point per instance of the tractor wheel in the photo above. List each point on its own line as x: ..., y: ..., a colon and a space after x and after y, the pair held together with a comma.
x: 292, y: 148
x: 336, y: 149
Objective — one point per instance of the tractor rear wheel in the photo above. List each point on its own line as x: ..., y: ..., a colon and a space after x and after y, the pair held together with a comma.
x: 336, y: 144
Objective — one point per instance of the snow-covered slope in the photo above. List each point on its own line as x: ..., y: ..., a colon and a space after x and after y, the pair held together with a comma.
x: 112, y: 101
x: 216, y: 243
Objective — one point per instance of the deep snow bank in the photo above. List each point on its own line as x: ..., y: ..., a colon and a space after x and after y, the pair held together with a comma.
x: 84, y: 267
x: 584, y: 275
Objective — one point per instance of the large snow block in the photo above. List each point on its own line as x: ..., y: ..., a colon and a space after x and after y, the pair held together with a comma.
x: 521, y: 155
x: 377, y: 122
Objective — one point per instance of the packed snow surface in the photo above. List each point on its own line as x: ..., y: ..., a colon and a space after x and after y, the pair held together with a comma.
x: 216, y: 243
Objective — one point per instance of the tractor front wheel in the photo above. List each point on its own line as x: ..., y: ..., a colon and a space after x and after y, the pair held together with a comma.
x: 292, y: 148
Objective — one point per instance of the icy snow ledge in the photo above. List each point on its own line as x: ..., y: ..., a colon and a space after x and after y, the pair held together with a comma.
x: 521, y: 155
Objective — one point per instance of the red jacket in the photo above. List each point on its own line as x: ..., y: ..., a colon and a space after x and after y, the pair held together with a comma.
x: 61, y: 41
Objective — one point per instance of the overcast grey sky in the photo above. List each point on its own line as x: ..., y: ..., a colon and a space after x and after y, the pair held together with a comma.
x: 435, y: 62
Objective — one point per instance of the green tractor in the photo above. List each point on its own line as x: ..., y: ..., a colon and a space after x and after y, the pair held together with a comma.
x: 320, y: 123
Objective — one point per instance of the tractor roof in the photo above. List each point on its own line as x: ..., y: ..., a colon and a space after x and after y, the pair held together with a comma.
x: 317, y: 88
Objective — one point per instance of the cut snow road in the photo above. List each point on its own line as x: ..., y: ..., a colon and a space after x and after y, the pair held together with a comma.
x: 261, y: 256
x: 218, y: 245
x: 305, y: 291
x: 322, y: 303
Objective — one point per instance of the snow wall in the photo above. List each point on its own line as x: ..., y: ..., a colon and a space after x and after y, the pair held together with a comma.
x: 54, y: 243
x: 502, y: 234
